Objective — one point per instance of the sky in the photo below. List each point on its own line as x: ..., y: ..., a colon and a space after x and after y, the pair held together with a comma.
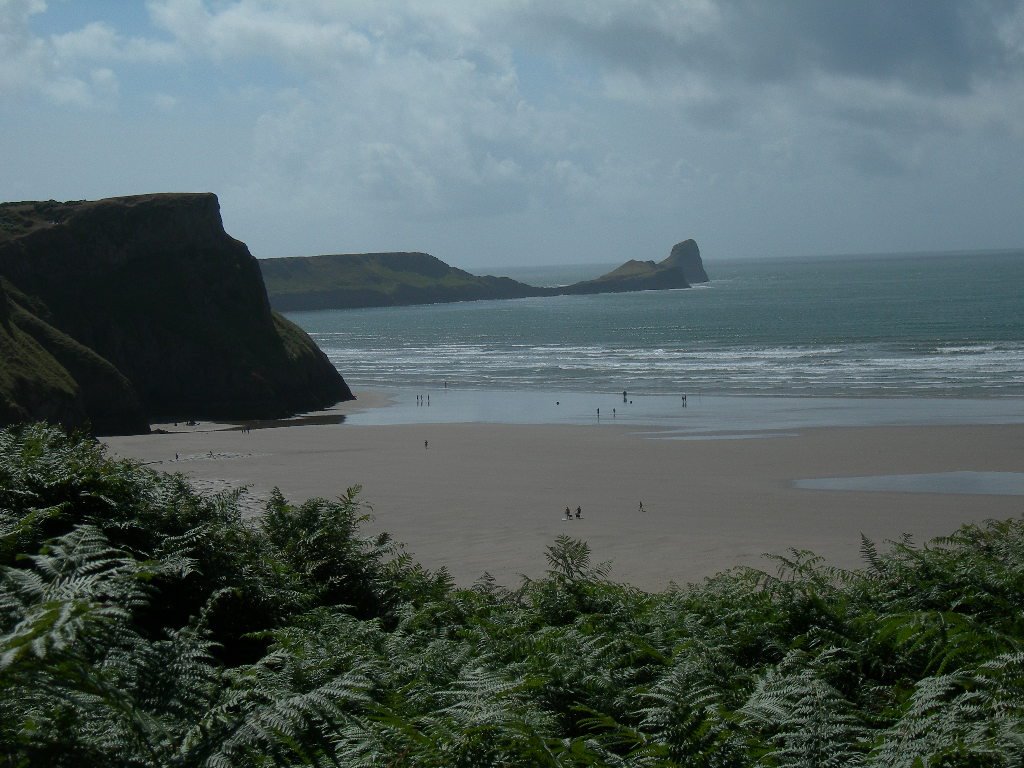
x: 532, y: 132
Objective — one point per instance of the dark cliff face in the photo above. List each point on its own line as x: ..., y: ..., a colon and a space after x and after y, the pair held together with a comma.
x: 681, y: 269
x: 45, y: 375
x: 685, y: 256
x: 156, y: 287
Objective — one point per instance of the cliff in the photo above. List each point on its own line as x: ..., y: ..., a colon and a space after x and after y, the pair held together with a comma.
x: 347, y: 281
x: 680, y: 269
x: 378, y: 280
x: 153, y: 287
x: 47, y: 376
x: 685, y: 257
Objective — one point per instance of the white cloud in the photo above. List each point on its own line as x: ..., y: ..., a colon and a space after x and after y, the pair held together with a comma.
x: 73, y: 68
x: 93, y: 41
x: 165, y: 101
x: 22, y: 57
x: 302, y: 35
x: 370, y: 117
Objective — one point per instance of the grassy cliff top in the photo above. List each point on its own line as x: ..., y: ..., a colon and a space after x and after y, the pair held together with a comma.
x: 18, y: 219
x: 384, y: 272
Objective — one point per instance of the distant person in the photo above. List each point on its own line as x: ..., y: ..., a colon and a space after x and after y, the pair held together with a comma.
x: 599, y: 413
x: 613, y: 413
x: 568, y: 514
x: 641, y: 505
x: 426, y: 445
x: 579, y: 513
x: 623, y: 395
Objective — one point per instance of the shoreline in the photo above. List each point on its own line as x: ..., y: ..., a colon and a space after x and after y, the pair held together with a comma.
x: 698, y: 414
x: 491, y: 496
x: 336, y: 414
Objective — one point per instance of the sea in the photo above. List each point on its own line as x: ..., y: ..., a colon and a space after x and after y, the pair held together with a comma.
x: 839, y: 330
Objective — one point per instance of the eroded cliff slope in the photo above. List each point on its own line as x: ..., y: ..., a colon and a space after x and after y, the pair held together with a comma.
x: 155, y: 287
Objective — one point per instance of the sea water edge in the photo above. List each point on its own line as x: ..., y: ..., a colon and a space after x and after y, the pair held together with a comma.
x: 769, y: 344
x: 670, y: 417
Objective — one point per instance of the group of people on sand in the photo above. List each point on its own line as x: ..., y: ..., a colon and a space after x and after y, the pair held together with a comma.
x: 579, y: 513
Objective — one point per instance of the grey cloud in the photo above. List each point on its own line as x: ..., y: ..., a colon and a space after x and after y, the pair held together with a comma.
x: 874, y: 158
x: 935, y: 45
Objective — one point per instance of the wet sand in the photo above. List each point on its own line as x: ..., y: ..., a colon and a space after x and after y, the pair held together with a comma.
x: 492, y: 497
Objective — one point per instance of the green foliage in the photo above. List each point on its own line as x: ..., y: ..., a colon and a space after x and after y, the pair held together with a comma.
x: 142, y: 623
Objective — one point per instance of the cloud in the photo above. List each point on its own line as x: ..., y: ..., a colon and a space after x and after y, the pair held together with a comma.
x: 869, y: 74
x: 99, y: 41
x: 422, y: 116
x: 74, y: 68
x: 410, y: 111
x: 936, y: 45
x: 22, y: 57
x: 165, y: 101
x: 299, y: 35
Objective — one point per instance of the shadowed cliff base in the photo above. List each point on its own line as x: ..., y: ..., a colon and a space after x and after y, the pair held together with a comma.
x: 127, y: 310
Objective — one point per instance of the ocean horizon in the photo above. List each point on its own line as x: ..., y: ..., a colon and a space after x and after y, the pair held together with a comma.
x: 932, y: 326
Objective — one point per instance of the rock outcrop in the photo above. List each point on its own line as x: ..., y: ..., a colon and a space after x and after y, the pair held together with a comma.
x: 151, y: 288
x: 685, y: 256
x: 681, y: 269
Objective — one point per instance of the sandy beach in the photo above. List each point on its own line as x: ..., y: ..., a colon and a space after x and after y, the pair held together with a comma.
x: 479, y: 497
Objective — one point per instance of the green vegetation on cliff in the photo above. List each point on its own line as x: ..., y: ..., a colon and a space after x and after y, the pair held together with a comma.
x: 378, y: 280
x: 153, y: 312
x: 48, y: 375
x: 142, y: 623
x: 347, y: 281
x: 29, y: 372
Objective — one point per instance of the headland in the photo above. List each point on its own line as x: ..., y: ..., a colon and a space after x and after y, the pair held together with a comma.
x: 359, y: 280
x: 117, y: 312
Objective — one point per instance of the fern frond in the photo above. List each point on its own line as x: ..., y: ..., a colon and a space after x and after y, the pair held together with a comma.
x: 804, y: 720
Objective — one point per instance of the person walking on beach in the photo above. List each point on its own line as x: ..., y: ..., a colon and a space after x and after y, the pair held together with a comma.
x: 426, y: 444
x: 568, y: 514
x: 579, y: 513
x: 641, y: 505
x: 623, y: 395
